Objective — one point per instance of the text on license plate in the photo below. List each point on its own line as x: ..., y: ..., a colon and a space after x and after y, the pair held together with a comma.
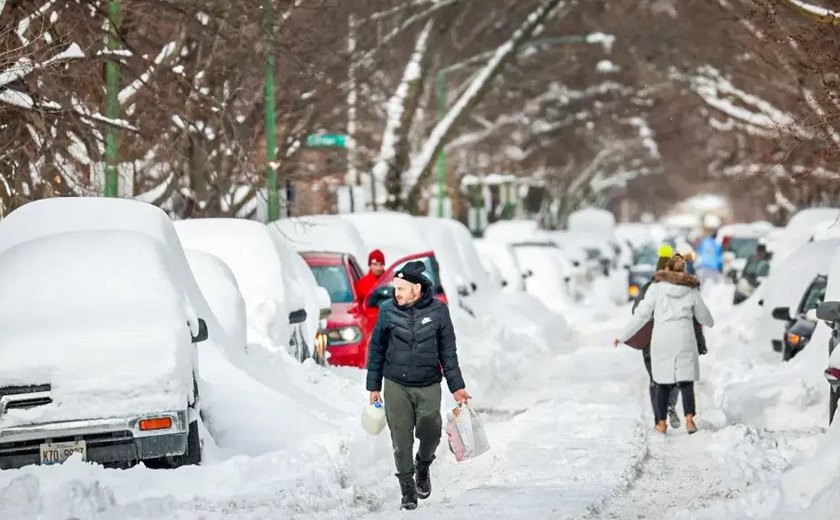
x: 58, y: 452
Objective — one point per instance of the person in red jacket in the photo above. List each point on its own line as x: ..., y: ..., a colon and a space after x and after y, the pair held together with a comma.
x: 376, y: 263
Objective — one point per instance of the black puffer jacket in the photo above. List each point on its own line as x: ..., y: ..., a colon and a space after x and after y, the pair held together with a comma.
x: 412, y: 345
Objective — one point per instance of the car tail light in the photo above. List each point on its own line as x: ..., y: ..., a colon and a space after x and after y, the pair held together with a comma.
x: 725, y: 243
x: 832, y: 372
x: 157, y: 423
x: 793, y: 339
x: 633, y: 291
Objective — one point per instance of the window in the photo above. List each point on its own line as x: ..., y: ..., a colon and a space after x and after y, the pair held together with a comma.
x: 743, y: 247
x: 815, y: 295
x: 334, y: 279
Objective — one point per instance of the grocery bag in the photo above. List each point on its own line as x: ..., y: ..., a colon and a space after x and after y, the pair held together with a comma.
x: 465, y: 433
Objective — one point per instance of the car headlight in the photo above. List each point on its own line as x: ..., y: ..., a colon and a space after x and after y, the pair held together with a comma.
x: 633, y: 291
x: 344, y: 336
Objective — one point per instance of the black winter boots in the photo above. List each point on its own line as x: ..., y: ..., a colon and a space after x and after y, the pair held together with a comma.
x: 422, y: 478
x: 409, y: 492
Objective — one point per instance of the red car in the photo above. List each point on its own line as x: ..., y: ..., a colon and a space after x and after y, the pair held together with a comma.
x: 351, y: 321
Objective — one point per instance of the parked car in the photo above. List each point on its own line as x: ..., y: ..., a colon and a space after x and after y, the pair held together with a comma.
x: 275, y: 298
x: 829, y: 312
x: 347, y: 329
x: 79, y: 278
x: 755, y: 272
x: 800, y: 327
x: 642, y: 270
x: 739, y: 243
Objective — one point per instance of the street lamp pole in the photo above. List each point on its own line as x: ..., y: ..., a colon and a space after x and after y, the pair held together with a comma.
x: 112, y: 108
x: 270, y: 117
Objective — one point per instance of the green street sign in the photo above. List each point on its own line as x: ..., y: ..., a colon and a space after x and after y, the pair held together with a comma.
x: 326, y: 140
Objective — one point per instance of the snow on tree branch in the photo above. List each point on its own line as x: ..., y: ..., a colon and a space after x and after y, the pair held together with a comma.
x: 421, y: 162
x: 820, y: 14
x: 129, y: 91
x: 397, y: 108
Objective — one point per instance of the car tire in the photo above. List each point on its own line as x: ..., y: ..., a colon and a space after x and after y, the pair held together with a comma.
x: 787, y: 353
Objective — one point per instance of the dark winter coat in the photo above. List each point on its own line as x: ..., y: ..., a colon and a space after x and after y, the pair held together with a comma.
x: 411, y: 345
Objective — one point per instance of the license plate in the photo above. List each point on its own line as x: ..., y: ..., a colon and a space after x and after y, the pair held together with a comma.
x: 58, y: 452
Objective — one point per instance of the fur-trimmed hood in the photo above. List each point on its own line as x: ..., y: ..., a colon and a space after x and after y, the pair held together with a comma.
x: 675, y: 278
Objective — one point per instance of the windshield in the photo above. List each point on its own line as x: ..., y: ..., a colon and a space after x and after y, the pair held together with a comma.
x: 815, y: 295
x: 646, y: 256
x: 743, y: 247
x: 334, y: 279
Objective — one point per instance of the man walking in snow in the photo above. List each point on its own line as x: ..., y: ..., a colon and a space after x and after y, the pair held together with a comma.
x: 376, y: 266
x: 412, y: 343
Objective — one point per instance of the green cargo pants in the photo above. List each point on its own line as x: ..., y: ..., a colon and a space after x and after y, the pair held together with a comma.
x: 412, y: 411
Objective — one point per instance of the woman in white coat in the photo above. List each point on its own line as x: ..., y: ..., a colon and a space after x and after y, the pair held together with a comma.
x: 673, y: 301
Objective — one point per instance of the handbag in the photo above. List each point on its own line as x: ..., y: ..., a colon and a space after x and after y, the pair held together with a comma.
x: 641, y: 339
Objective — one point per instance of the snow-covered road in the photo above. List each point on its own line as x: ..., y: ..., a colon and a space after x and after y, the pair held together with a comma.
x: 571, y: 434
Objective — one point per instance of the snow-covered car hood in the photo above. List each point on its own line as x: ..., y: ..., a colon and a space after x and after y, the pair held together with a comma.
x: 100, y: 316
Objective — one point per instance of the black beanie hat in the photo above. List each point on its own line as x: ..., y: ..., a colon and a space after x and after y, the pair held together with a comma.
x: 413, y: 272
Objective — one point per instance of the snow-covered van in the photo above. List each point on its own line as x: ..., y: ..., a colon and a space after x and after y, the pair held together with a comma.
x: 97, y: 354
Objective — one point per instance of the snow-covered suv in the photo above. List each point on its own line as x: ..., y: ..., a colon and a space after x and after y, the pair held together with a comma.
x: 97, y: 353
x: 100, y: 315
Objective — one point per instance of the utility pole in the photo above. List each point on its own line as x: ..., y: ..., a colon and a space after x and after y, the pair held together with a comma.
x: 270, y: 117
x: 112, y: 107
x: 441, y: 160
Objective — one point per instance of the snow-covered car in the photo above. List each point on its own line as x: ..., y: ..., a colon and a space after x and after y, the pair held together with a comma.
x: 803, y: 322
x: 739, y: 242
x: 787, y: 284
x: 503, y: 260
x: 799, y: 230
x: 275, y: 299
x: 552, y: 275
x: 101, y: 395
x: 99, y: 352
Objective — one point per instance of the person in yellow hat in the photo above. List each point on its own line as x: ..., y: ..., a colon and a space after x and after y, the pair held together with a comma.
x: 665, y: 253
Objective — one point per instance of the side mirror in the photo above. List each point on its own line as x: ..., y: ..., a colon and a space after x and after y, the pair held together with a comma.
x: 626, y: 267
x: 297, y: 317
x: 202, y: 332
x: 380, y: 296
x: 504, y: 283
x: 829, y: 311
x: 474, y: 286
x: 781, y: 313
x: 576, y: 263
x: 463, y: 291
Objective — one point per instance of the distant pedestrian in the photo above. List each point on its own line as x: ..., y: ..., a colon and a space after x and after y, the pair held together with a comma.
x: 412, y: 347
x: 710, y: 255
x: 376, y: 267
x: 673, y: 302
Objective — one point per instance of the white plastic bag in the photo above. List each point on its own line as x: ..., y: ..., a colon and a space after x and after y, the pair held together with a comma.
x: 465, y: 433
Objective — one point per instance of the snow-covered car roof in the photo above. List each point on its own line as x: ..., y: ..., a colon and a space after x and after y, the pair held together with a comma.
x: 98, y: 313
x: 799, y: 230
x: 321, y: 233
x: 591, y: 220
x: 468, y: 253
x: 56, y: 216
x: 510, y: 230
x: 744, y: 230
x: 639, y: 234
x: 396, y: 234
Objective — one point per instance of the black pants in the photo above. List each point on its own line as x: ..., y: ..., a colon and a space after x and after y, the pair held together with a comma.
x: 663, y: 394
x: 675, y: 392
